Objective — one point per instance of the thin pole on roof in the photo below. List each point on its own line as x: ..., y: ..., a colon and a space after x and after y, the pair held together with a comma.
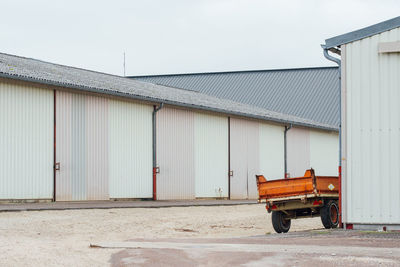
x: 124, y: 64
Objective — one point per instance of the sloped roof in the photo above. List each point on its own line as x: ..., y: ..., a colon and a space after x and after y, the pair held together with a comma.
x: 363, y: 33
x: 308, y: 93
x: 32, y: 70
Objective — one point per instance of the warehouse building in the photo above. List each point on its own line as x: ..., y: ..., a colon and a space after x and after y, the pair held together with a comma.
x: 70, y: 134
x: 370, y: 84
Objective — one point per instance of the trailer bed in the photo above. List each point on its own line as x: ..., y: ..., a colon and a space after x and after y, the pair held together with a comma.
x: 300, y: 197
x: 307, y: 186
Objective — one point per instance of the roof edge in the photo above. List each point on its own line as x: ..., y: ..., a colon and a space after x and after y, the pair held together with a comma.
x: 229, y: 72
x: 363, y: 33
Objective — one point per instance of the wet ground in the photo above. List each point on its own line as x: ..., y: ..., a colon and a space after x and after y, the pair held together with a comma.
x: 317, y: 247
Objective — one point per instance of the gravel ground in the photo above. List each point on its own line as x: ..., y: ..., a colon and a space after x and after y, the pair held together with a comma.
x: 54, y: 238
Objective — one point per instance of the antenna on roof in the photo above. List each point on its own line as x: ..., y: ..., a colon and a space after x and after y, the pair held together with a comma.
x: 124, y: 63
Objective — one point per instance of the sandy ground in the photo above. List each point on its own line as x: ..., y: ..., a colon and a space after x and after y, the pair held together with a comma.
x: 54, y: 238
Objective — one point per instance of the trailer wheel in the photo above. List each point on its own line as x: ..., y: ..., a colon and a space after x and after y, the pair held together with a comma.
x: 280, y: 224
x: 330, y: 214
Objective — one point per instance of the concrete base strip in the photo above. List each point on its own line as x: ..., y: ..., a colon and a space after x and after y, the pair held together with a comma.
x: 119, y: 204
x: 218, y: 247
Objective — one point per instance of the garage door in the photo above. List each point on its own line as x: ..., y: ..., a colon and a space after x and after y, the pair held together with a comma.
x: 26, y: 141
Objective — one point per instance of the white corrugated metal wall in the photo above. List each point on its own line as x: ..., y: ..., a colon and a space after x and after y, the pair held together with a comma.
x: 272, y: 162
x: 211, y: 155
x: 298, y: 151
x: 371, y: 180
x: 104, y: 148
x: 81, y: 147
x: 130, y: 146
x: 244, y: 158
x: 324, y: 152
x: 315, y: 149
x: 26, y: 141
x: 175, y: 154
x: 192, y: 154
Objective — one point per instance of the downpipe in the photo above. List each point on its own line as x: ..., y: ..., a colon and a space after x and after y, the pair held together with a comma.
x: 287, y: 128
x: 155, y: 168
x: 338, y: 62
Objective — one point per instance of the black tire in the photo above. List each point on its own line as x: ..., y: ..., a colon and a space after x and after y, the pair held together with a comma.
x: 330, y: 214
x: 280, y: 224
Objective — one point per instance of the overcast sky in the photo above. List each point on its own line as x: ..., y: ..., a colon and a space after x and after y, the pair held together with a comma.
x: 182, y: 36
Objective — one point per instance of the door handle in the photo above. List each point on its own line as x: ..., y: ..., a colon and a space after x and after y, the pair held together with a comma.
x: 57, y: 166
x: 230, y: 173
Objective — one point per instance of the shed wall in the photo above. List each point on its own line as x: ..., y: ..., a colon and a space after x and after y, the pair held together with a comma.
x: 104, y: 147
x: 244, y: 158
x: 371, y: 181
x: 211, y: 155
x: 175, y: 154
x: 26, y: 142
x: 81, y: 147
x: 324, y: 152
x: 130, y: 146
x: 298, y: 151
x: 271, y: 151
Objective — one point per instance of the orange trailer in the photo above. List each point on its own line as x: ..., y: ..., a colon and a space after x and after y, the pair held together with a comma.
x: 300, y: 197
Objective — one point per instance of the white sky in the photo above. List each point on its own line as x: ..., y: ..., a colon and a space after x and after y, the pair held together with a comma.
x: 178, y: 36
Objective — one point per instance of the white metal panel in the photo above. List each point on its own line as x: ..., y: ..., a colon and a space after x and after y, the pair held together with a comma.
x: 175, y: 154
x: 272, y: 161
x: 63, y: 145
x: 298, y: 151
x: 130, y: 147
x: 343, y: 193
x: 81, y: 147
x: 97, y: 148
x: 324, y: 152
x: 244, y: 158
x: 211, y: 155
x: 26, y: 141
x: 372, y: 131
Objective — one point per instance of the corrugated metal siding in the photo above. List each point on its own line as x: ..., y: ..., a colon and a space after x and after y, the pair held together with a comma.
x: 82, y: 147
x: 97, y: 148
x: 372, y: 179
x: 175, y: 154
x: 26, y: 142
x: 244, y: 158
x: 272, y: 162
x: 211, y: 155
x: 310, y: 93
x: 324, y: 152
x: 298, y: 151
x: 130, y: 147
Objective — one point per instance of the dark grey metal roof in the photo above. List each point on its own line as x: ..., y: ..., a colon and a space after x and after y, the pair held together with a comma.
x: 32, y: 70
x: 309, y: 93
x: 363, y: 33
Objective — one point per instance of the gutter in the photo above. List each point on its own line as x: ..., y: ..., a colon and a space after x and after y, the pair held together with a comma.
x: 287, y: 128
x: 339, y: 63
x: 155, y: 168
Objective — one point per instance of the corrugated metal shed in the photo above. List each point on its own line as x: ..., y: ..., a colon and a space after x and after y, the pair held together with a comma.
x: 32, y: 70
x: 371, y: 132
x: 309, y: 93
